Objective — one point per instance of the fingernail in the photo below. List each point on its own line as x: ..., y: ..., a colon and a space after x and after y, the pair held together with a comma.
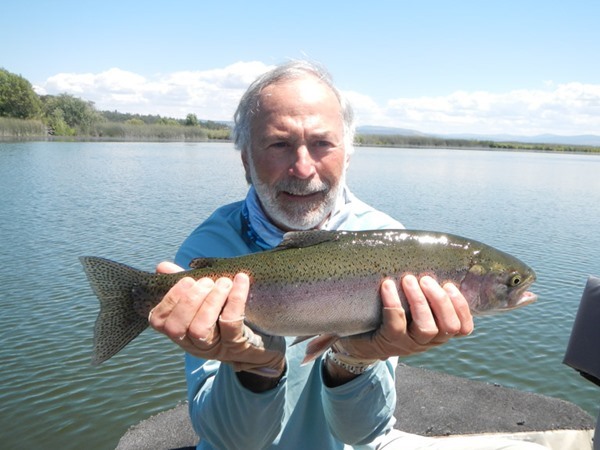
x: 426, y: 280
x: 389, y: 284
x: 187, y: 282
x: 412, y: 283
x: 205, y: 283
x: 451, y: 288
x: 224, y: 283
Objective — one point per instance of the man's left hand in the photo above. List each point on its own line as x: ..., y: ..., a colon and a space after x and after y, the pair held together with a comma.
x: 438, y: 313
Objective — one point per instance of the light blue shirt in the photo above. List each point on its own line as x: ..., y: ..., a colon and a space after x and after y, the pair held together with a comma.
x: 300, y: 412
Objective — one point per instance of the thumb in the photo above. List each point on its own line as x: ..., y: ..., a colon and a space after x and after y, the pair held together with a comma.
x: 168, y: 267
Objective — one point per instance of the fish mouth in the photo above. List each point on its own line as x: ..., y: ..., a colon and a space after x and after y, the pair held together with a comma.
x: 526, y: 298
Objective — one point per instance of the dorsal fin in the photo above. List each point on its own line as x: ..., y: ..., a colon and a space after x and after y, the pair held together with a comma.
x: 202, y: 263
x: 302, y: 239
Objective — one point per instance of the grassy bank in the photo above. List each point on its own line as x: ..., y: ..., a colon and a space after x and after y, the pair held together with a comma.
x: 377, y: 140
x: 160, y: 132
x: 21, y: 129
x: 173, y: 131
x: 120, y: 131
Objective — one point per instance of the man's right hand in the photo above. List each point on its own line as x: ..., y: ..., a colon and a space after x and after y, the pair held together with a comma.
x: 206, y: 319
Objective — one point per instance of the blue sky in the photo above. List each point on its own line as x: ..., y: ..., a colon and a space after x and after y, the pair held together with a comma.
x: 519, y: 67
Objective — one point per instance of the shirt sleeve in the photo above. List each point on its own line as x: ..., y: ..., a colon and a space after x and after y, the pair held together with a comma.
x: 227, y: 415
x: 223, y: 412
x: 362, y: 409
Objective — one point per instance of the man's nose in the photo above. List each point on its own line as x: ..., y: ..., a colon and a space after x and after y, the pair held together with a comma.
x: 303, y: 166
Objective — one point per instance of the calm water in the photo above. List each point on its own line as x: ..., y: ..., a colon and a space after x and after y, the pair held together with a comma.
x: 136, y: 202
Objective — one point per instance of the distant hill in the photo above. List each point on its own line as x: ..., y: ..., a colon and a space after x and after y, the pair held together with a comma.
x: 587, y: 139
x: 388, y: 131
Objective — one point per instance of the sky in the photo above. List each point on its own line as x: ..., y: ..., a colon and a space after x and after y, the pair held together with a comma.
x: 519, y: 67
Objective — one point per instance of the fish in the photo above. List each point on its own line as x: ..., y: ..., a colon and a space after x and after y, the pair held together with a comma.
x: 320, y: 284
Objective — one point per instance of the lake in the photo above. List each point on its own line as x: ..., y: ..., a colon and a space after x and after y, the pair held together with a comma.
x: 136, y: 202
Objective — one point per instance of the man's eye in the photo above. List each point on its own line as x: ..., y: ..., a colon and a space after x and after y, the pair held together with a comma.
x: 323, y: 144
x: 280, y: 144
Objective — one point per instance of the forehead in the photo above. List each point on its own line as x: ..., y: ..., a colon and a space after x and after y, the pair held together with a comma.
x: 297, y: 96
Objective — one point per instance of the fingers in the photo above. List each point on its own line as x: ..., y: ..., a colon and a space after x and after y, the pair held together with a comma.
x: 168, y: 267
x: 161, y: 312
x: 461, y: 306
x: 192, y: 309
x: 203, y: 325
x: 446, y: 318
x: 173, y: 315
x: 164, y: 308
x: 190, y: 303
x: 392, y: 338
x: 438, y: 313
x: 394, y: 316
x: 423, y: 327
x: 206, y: 319
x: 231, y: 322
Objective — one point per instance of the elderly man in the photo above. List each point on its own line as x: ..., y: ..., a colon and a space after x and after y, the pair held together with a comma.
x: 295, y: 133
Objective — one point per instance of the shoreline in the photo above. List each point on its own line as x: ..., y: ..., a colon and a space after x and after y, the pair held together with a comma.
x: 528, y: 148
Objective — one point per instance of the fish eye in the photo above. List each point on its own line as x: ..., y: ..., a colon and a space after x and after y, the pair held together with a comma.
x: 515, y: 280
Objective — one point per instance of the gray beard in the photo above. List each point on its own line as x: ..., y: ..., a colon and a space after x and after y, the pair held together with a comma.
x: 297, y: 217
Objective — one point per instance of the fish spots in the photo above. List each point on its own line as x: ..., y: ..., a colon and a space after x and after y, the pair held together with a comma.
x: 332, y: 284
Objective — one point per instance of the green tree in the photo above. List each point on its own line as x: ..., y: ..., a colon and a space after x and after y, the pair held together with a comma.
x: 135, y: 121
x: 166, y: 121
x: 78, y: 114
x: 191, y: 120
x: 17, y: 97
x: 57, y: 125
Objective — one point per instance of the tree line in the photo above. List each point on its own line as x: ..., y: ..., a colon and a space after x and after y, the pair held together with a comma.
x: 24, y: 113
x: 395, y: 140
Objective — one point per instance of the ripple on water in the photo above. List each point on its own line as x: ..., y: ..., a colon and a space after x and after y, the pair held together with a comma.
x: 135, y: 203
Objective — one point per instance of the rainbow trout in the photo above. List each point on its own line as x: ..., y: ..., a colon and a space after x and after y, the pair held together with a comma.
x: 316, y: 283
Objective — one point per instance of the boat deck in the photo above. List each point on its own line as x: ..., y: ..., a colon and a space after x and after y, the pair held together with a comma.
x: 430, y: 404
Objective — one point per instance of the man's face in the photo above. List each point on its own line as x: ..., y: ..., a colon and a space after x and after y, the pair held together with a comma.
x: 297, y: 161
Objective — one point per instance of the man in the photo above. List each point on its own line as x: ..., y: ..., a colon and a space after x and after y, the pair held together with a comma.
x: 295, y: 133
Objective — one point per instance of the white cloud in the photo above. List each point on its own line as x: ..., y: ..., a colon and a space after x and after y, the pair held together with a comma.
x: 210, y: 94
x: 568, y: 109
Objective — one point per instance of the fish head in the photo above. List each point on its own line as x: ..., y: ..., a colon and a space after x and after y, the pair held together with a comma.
x: 498, y: 282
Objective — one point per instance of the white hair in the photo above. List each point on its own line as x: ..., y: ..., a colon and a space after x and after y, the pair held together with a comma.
x: 250, y: 102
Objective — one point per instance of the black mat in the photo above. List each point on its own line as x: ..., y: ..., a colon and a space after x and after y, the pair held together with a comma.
x: 429, y: 403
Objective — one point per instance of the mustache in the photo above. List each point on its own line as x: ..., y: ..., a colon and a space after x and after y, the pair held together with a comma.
x: 302, y: 187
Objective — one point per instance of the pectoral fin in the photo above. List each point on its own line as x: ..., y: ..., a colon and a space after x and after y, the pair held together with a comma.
x: 318, y: 346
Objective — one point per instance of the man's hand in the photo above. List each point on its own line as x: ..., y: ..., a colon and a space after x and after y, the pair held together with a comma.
x: 438, y: 314
x: 206, y: 319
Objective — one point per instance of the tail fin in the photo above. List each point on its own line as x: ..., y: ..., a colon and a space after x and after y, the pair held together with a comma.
x: 120, y: 319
